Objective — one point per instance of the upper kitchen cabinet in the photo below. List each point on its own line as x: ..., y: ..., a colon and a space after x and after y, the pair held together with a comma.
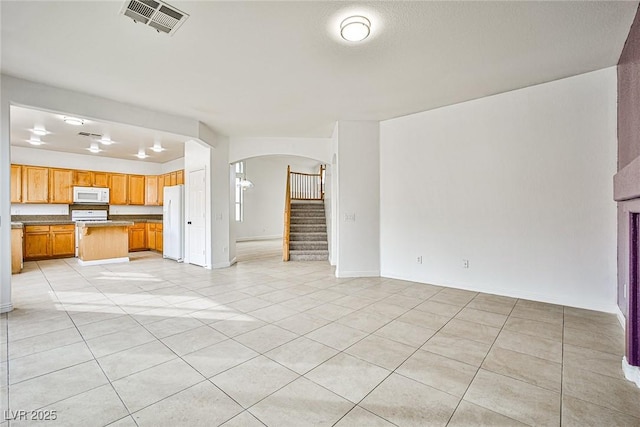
x: 173, y: 178
x: 151, y: 190
x: 100, y: 179
x: 118, y: 189
x: 16, y: 184
x: 136, y: 189
x: 83, y: 178
x: 180, y: 177
x: 60, y: 186
x: 35, y: 184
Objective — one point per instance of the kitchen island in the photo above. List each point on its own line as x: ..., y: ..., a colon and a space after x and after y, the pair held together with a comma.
x: 103, y: 242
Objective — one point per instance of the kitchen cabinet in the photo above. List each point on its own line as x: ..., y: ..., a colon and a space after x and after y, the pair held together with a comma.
x: 60, y: 186
x: 49, y: 241
x: 16, y: 250
x: 138, y: 237
x: 118, y: 189
x: 16, y: 184
x: 136, y: 190
x: 63, y: 240
x: 35, y: 184
x: 82, y: 178
x: 101, y: 179
x: 154, y: 236
x: 180, y: 177
x: 160, y: 190
x: 173, y: 178
x: 151, y: 190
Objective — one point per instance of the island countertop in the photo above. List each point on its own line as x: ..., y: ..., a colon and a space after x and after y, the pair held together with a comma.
x: 92, y: 224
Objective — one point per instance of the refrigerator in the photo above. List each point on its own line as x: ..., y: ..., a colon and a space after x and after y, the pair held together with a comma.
x: 173, y: 223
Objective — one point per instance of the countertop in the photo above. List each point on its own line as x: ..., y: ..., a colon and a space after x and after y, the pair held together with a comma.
x: 46, y: 222
x: 91, y: 224
x: 16, y: 224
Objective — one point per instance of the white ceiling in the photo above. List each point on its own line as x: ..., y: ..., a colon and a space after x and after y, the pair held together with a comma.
x: 127, y: 140
x: 280, y: 68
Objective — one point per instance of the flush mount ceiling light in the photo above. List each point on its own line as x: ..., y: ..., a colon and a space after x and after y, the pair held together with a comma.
x: 157, y: 147
x: 39, y: 130
x: 141, y: 154
x: 73, y: 121
x: 94, y: 147
x: 105, y: 140
x: 35, y: 140
x: 355, y: 28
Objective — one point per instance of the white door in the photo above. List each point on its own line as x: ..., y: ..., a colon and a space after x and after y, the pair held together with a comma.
x: 196, y: 224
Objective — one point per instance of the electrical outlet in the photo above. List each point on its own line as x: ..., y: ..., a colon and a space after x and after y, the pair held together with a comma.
x: 419, y: 259
x: 465, y: 263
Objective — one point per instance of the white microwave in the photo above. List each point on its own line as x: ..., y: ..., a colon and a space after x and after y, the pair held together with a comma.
x: 91, y: 195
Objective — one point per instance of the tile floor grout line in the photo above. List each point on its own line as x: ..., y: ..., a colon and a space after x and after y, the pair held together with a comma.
x: 481, y: 363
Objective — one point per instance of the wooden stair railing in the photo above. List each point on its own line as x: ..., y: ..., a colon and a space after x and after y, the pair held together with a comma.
x: 287, y: 217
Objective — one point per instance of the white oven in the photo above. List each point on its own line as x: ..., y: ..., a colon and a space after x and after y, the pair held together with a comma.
x: 92, y: 195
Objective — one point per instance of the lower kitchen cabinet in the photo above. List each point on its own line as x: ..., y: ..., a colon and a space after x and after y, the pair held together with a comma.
x: 49, y: 241
x: 138, y: 237
x: 16, y: 250
x: 154, y: 236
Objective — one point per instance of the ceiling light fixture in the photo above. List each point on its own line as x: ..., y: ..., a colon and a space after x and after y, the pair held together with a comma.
x: 39, y: 130
x: 94, y: 147
x: 355, y: 28
x: 157, y: 147
x: 35, y: 140
x: 141, y: 154
x: 73, y: 121
x: 105, y: 140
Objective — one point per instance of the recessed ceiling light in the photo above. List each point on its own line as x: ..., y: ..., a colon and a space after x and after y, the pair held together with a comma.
x: 105, y: 140
x: 355, y: 28
x: 157, y: 147
x: 73, y: 121
x: 34, y: 140
x: 141, y: 154
x: 94, y: 147
x: 39, y: 130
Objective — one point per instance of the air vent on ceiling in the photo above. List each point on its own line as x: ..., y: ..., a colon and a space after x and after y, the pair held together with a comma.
x: 154, y: 13
x: 92, y: 135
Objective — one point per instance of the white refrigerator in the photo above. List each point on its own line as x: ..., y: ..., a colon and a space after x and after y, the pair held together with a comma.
x: 173, y: 223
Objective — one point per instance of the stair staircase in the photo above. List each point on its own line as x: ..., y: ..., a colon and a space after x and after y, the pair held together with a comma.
x: 308, y: 231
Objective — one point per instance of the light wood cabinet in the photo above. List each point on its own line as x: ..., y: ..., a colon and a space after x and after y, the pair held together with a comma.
x: 151, y: 190
x: 35, y: 184
x: 49, y: 241
x: 16, y: 184
x: 138, y: 237
x: 154, y: 236
x: 82, y: 178
x: 161, y: 190
x: 63, y: 240
x: 60, y: 186
x: 136, y: 189
x: 100, y: 179
x: 180, y: 177
x: 16, y: 250
x: 118, y: 189
x: 173, y: 178
x: 159, y: 244
x: 151, y: 236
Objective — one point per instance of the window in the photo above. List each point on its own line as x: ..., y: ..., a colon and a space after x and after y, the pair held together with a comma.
x: 239, y: 167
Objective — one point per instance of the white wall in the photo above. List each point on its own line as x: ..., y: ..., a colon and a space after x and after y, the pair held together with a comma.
x: 358, y: 195
x: 264, y: 203
x: 313, y: 148
x: 222, y: 236
x: 520, y: 184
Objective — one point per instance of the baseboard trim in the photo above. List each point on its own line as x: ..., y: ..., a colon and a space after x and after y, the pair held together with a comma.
x: 103, y: 261
x: 621, y: 318
x: 5, y: 308
x: 371, y: 273
x: 251, y: 239
x: 632, y: 373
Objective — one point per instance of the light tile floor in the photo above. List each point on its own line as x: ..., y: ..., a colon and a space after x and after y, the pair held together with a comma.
x: 158, y: 343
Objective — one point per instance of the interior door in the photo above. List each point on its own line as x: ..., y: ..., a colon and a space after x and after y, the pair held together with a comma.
x: 196, y: 223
